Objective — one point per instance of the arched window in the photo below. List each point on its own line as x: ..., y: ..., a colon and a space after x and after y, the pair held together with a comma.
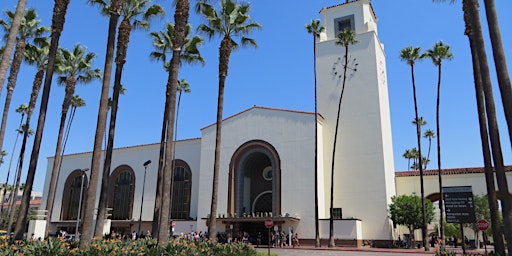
x: 121, y: 192
x: 182, y: 183
x: 71, y: 195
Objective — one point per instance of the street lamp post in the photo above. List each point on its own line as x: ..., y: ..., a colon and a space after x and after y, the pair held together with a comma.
x: 80, y: 202
x: 143, y: 187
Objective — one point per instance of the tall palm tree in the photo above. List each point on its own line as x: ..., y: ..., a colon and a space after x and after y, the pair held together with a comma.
x: 345, y: 38
x: 114, y: 10
x: 230, y: 21
x: 437, y: 54
x: 410, y: 154
x: 411, y: 55
x: 497, y: 231
x: 17, y: 188
x: 479, y: 46
x: 428, y: 134
x: 11, y: 40
x: 181, y: 15
x: 22, y: 109
x: 500, y: 62
x: 74, y: 67
x: 138, y: 12
x: 59, y: 12
x: 29, y: 30
x: 315, y: 29
x: 162, y: 41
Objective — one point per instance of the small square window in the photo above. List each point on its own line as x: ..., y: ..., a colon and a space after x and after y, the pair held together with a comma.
x: 336, y: 213
x: 342, y: 23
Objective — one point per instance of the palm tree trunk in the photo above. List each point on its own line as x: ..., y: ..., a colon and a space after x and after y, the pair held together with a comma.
x: 420, y: 165
x: 317, y: 225
x: 500, y: 63
x: 59, y: 13
x: 115, y: 13
x: 11, y: 83
x: 439, y: 170
x: 11, y: 39
x: 58, y: 148
x: 331, y: 205
x: 224, y: 55
x: 181, y: 15
x: 14, y: 194
x: 497, y: 232
x: 122, y: 48
x: 492, y: 122
x: 161, y: 164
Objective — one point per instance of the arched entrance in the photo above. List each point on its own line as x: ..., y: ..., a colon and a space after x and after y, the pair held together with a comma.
x: 255, y: 180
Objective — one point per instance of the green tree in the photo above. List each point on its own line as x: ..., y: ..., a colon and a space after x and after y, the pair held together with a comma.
x: 407, y: 210
x: 74, y: 67
x: 411, y: 55
x: 410, y: 154
x: 345, y: 38
x: 138, y: 12
x: 231, y: 20
x: 428, y: 134
x: 316, y: 29
x: 59, y: 12
x: 22, y: 109
x: 162, y: 41
x: 437, y: 54
x: 114, y: 10
x: 29, y: 30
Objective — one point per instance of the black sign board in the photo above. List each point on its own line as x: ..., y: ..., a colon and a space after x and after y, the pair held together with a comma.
x: 459, y: 205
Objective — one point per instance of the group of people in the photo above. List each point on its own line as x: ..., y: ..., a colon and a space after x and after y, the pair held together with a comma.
x: 283, y: 238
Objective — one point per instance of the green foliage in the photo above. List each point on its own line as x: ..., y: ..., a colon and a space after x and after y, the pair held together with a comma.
x: 104, y: 247
x: 444, y: 252
x: 406, y: 210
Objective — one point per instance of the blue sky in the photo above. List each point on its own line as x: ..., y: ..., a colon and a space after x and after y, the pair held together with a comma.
x: 279, y: 73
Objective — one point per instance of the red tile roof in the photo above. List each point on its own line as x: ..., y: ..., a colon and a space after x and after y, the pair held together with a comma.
x: 450, y: 171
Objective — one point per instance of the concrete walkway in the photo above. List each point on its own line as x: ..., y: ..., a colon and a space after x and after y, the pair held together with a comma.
x: 366, y: 251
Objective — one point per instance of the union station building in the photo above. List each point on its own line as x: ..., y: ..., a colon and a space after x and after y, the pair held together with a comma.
x: 267, y: 163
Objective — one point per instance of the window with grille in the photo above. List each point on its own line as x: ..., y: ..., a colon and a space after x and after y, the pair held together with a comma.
x: 181, y: 193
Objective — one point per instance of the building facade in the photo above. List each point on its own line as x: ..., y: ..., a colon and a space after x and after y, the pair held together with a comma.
x: 267, y: 162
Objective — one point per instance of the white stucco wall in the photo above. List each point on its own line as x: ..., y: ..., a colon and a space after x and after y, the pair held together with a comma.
x: 291, y: 134
x: 364, y: 166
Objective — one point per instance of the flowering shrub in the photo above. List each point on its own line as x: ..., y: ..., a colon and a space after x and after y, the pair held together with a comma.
x: 110, y: 247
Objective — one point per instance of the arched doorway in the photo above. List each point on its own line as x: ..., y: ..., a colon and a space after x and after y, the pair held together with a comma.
x: 255, y: 180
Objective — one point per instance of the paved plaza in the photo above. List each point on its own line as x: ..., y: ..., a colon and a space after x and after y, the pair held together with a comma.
x: 365, y: 251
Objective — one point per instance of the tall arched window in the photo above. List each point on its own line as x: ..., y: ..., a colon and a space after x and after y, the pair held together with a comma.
x: 121, y: 191
x: 71, y: 195
x: 182, y: 183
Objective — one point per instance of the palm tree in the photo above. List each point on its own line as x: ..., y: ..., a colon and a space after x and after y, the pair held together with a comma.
x: 500, y: 62
x: 497, y: 231
x: 181, y: 15
x: 26, y: 132
x: 437, y: 54
x: 162, y: 41
x: 410, y: 154
x: 231, y: 20
x: 345, y: 38
x: 59, y: 12
x: 22, y: 109
x: 114, y: 10
x: 428, y: 134
x: 411, y: 55
x: 29, y: 29
x: 477, y: 43
x: 138, y: 12
x: 315, y: 29
x: 74, y: 67
x: 11, y: 39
